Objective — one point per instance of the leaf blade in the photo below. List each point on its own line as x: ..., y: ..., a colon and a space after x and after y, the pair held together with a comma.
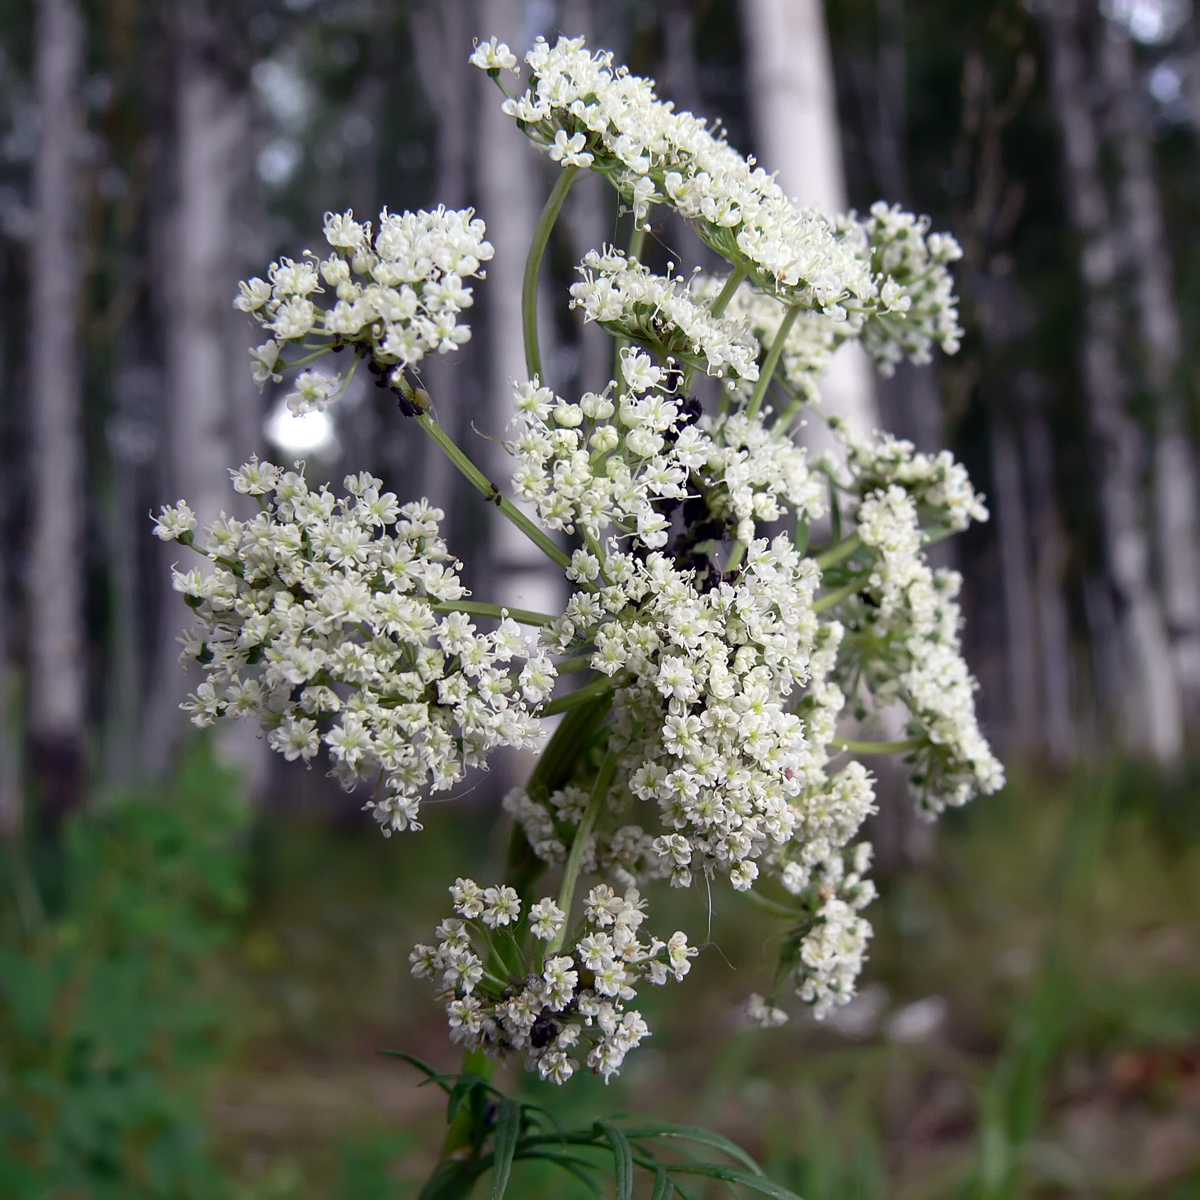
x: 693, y: 1133
x: 622, y: 1159
x: 508, y: 1131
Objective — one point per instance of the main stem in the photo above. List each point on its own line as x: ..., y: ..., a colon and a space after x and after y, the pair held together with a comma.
x: 566, y: 893
x: 533, y: 267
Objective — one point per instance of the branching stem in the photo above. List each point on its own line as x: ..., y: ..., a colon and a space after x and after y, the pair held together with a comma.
x: 566, y: 893
x: 482, y: 484
x: 772, y: 361
x: 533, y: 267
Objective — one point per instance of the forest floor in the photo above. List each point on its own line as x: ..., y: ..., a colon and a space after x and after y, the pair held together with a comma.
x: 1028, y: 1023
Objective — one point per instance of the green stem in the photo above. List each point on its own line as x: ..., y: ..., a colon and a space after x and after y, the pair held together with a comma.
x: 772, y: 906
x: 718, y: 307
x: 583, y: 695
x: 879, y: 747
x: 840, y: 594
x: 566, y: 893
x: 835, y: 553
x: 303, y: 362
x: 555, y: 766
x: 478, y: 608
x: 772, y: 360
x: 533, y: 267
x: 735, y: 280
x: 490, y: 492
x: 580, y: 662
x: 735, y: 556
x: 637, y: 239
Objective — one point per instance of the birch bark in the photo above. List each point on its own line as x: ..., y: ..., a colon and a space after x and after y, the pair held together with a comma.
x: 511, y: 194
x: 1153, y: 718
x: 57, y: 650
x: 796, y: 130
x: 199, y: 278
x: 1161, y: 338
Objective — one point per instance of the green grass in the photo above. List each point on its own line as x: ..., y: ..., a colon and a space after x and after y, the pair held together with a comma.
x: 1059, y: 922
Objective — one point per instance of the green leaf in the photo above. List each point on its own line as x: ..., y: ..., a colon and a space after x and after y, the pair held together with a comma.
x: 693, y: 1133
x: 662, y: 1184
x: 531, y: 1114
x: 508, y: 1130
x: 578, y: 1167
x: 467, y: 1082
x: 622, y: 1159
x: 431, y: 1076
x: 452, y: 1180
x: 747, y: 1179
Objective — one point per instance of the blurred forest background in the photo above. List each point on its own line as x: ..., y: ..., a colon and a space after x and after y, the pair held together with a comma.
x: 202, y: 949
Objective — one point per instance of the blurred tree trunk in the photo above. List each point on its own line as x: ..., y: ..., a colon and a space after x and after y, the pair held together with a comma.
x: 57, y: 643
x: 1161, y: 338
x: 794, y: 106
x: 1019, y: 599
x: 1153, y: 710
x: 589, y: 225
x: 199, y: 279
x: 1048, y: 539
x: 511, y: 193
x: 442, y: 33
x: 909, y: 401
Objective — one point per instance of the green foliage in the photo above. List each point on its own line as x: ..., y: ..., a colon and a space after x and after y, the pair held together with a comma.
x: 500, y: 1131
x: 107, y: 1008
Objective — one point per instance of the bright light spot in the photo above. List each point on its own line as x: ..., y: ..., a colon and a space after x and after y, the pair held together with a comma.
x: 1165, y: 84
x: 310, y: 433
x: 1150, y: 21
x: 285, y: 92
x: 278, y: 160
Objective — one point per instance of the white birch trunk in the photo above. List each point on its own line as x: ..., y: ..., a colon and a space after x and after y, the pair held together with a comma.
x: 511, y: 194
x: 1021, y: 642
x: 57, y: 651
x: 1161, y: 337
x: 1154, y: 717
x: 796, y: 129
x: 1050, y: 550
x: 442, y: 33
x: 200, y: 279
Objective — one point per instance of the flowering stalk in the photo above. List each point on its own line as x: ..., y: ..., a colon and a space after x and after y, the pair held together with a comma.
x: 723, y: 654
x: 492, y: 493
x: 533, y: 267
x: 566, y: 891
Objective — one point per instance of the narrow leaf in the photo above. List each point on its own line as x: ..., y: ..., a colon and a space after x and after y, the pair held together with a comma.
x: 747, y: 1179
x: 468, y: 1081
x: 693, y: 1133
x: 452, y: 1180
x: 662, y: 1185
x: 578, y: 1167
x: 622, y: 1159
x: 508, y: 1130
x: 431, y: 1075
x: 533, y: 1112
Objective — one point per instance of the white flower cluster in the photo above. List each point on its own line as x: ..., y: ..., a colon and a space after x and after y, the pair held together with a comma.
x: 939, y: 486
x: 395, y: 297
x: 829, y: 948
x: 905, y: 646
x: 508, y: 990
x: 701, y: 721
x: 333, y: 621
x: 661, y: 314
x: 632, y: 462
x: 916, y: 303
x: 590, y: 114
x: 809, y: 344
